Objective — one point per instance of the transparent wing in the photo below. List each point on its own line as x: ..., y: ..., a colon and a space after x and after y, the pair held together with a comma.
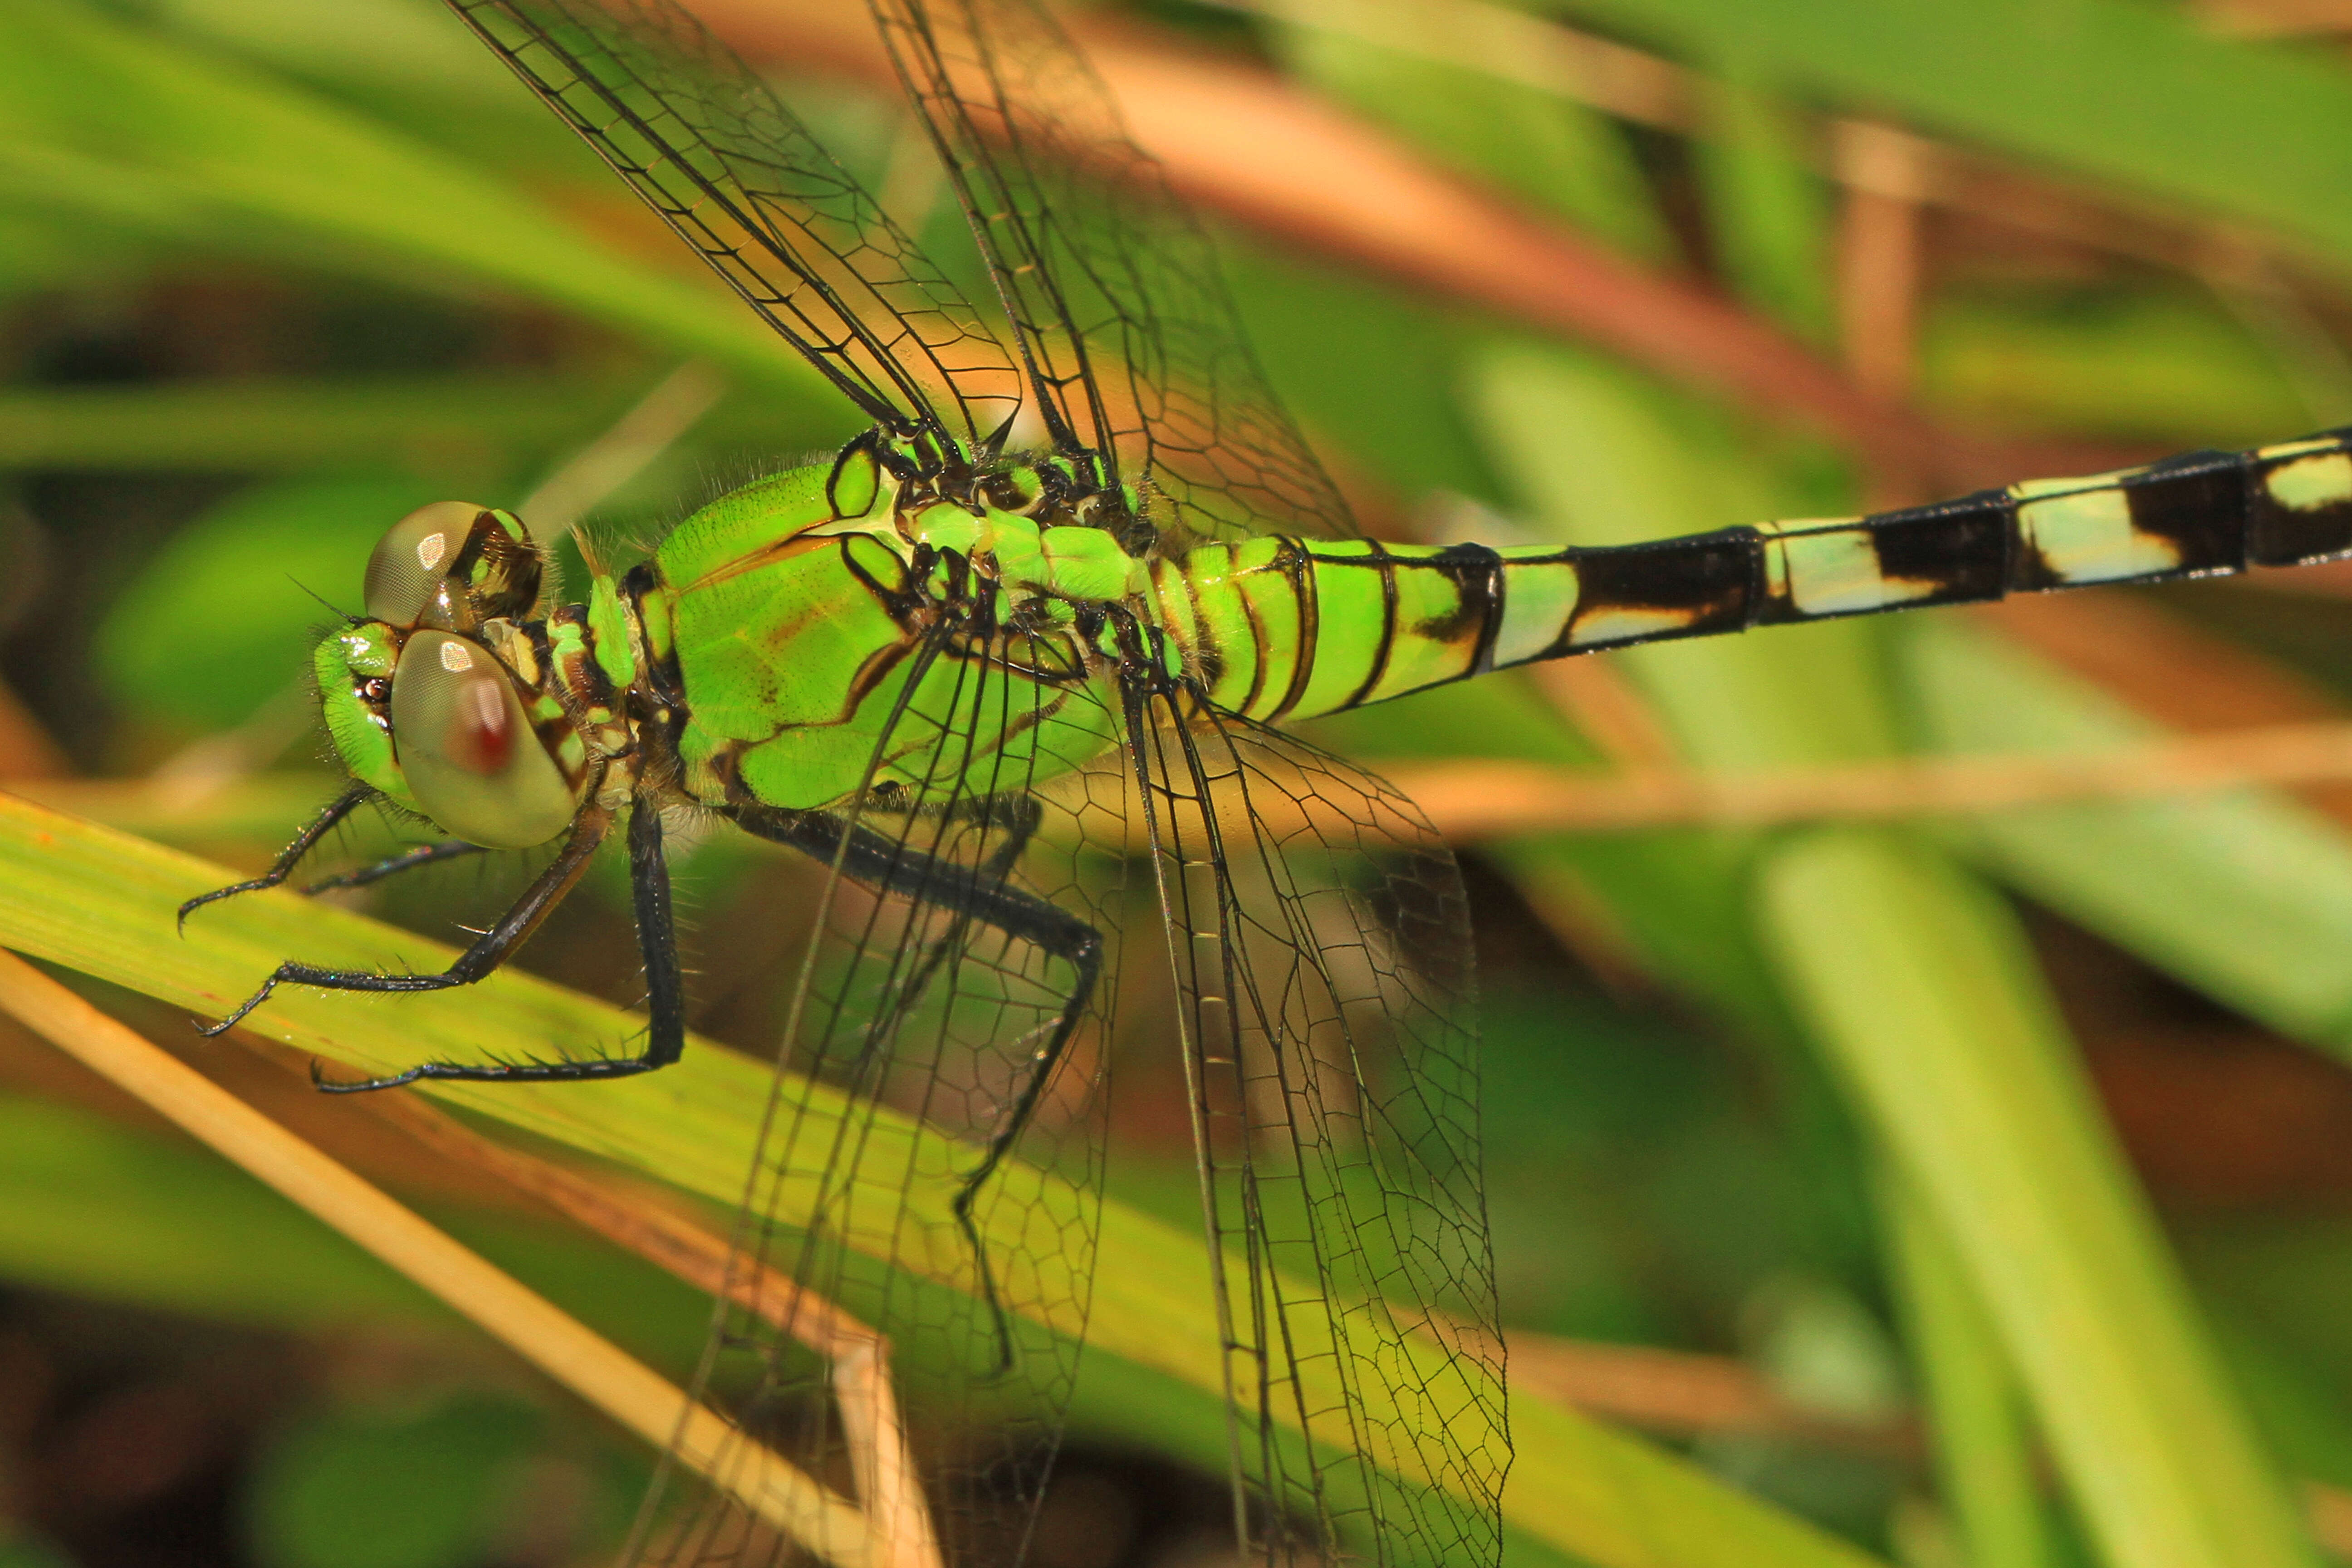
x: 911, y: 1057
x: 1317, y: 933
x: 742, y: 182
x: 1135, y: 357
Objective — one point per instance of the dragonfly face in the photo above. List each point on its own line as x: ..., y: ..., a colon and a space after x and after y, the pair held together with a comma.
x: 420, y: 703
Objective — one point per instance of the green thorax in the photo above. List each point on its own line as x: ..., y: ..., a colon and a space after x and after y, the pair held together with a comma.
x: 806, y: 618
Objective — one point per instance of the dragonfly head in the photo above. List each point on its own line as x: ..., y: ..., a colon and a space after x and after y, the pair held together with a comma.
x: 421, y: 706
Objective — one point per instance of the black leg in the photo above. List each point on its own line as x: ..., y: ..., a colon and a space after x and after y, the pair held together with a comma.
x: 320, y: 826
x: 489, y: 950
x: 392, y: 865
x: 1019, y: 816
x: 657, y: 938
x: 975, y: 894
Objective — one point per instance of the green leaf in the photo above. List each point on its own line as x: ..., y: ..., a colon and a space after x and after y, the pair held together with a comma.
x: 1551, y: 151
x: 111, y: 121
x: 2141, y: 95
x: 1920, y: 986
x: 260, y: 557
x: 1985, y: 1453
x: 1771, y: 214
x: 411, y: 1490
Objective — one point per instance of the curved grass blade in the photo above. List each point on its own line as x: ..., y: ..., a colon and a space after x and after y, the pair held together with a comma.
x: 112, y: 122
x: 1904, y: 974
x: 1920, y: 987
x: 563, y: 1347
x: 2246, y: 896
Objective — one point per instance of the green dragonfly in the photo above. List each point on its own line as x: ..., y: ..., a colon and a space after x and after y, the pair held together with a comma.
x: 1012, y: 663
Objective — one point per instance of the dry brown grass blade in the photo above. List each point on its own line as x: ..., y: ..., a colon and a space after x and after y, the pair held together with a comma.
x: 1343, y: 189
x: 1475, y: 800
x: 2173, y: 671
x: 582, y: 1361
x: 881, y: 1458
x: 1684, y: 1395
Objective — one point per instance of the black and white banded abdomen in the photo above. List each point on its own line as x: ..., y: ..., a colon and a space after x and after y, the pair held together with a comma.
x: 1279, y: 627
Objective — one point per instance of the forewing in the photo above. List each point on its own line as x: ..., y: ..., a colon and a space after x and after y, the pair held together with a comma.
x: 740, y: 179
x: 1133, y: 350
x: 1317, y: 935
x: 911, y: 1048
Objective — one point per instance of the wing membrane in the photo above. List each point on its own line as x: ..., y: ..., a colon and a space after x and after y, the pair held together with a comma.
x: 1134, y: 354
x: 711, y: 150
x: 920, y: 1025
x: 1317, y: 933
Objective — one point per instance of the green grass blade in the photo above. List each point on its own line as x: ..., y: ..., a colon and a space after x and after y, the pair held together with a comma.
x: 1985, y: 1453
x: 2142, y: 95
x: 100, y: 902
x: 1923, y: 989
x: 1769, y: 216
x: 103, y: 118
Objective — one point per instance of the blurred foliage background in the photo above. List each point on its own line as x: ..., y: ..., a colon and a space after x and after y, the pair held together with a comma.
x: 1974, y: 1188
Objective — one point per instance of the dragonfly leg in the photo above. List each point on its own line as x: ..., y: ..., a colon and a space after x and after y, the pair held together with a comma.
x: 969, y: 893
x: 494, y: 946
x: 1018, y: 815
x: 341, y: 806
x: 392, y: 865
x: 656, y: 940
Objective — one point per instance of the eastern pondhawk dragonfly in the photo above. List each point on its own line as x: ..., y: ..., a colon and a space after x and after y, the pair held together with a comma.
x: 1021, y: 645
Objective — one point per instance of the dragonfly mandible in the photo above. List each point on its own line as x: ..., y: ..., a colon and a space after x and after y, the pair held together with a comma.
x: 1030, y: 637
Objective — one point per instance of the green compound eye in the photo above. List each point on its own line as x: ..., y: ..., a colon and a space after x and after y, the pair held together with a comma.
x: 405, y: 574
x: 467, y: 749
x: 453, y: 565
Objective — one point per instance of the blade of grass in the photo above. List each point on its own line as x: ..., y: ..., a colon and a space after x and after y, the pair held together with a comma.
x: 96, y: 900
x: 614, y: 1382
x: 129, y: 126
x: 1921, y: 987
x: 2132, y: 93
x: 1985, y: 1457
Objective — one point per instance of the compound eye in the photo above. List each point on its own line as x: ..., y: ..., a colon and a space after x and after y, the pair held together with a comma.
x: 467, y: 749
x: 406, y: 575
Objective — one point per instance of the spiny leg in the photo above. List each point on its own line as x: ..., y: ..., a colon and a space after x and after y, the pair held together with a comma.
x: 493, y: 947
x: 489, y: 950
x: 969, y: 893
x: 1019, y: 814
x: 656, y: 940
x: 341, y: 806
x: 392, y: 865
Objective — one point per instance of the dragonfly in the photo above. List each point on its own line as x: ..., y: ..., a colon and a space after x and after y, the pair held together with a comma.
x: 1013, y: 668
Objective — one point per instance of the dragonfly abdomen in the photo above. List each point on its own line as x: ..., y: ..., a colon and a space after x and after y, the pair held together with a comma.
x: 1291, y: 629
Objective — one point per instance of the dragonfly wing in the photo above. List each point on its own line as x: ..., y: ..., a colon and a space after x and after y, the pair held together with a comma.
x: 1133, y: 350
x: 741, y: 180
x: 911, y: 1051
x: 1318, y: 938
